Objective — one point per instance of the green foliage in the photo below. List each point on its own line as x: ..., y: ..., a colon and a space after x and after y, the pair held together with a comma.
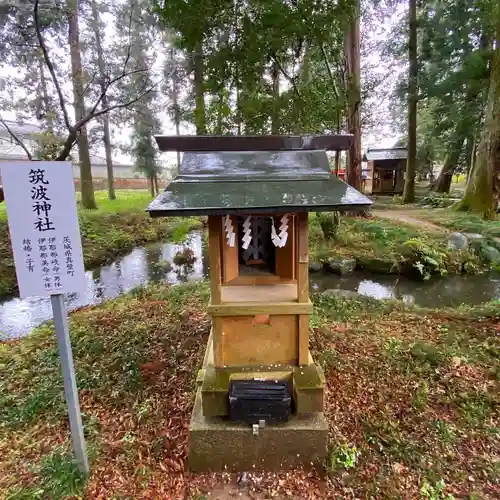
x: 421, y: 395
x: 184, y: 257
x: 241, y: 50
x: 58, y: 478
x: 423, y: 256
x: 328, y: 359
x: 48, y: 145
x: 435, y: 491
x: 445, y: 431
x: 340, y: 309
x: 164, y: 266
x: 436, y: 201
x: 453, y: 79
x: 329, y: 223
x: 390, y: 246
x: 180, y: 230
x: 342, y: 457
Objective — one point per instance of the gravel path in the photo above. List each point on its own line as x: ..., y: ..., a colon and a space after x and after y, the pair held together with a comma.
x: 407, y: 216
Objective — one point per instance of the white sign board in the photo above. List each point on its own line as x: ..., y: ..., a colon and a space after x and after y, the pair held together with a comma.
x: 43, y: 223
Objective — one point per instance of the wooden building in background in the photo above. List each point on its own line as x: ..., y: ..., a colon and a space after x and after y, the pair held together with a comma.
x: 385, y: 170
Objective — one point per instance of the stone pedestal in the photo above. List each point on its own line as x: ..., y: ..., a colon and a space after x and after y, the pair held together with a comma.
x: 216, y: 444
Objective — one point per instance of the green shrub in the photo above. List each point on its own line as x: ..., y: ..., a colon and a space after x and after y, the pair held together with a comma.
x: 342, y: 457
x: 426, y: 258
x: 436, y: 201
x: 329, y: 223
x: 184, y: 257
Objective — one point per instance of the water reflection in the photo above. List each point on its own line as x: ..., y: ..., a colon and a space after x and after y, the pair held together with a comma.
x: 148, y: 264
x: 445, y: 292
x: 141, y: 266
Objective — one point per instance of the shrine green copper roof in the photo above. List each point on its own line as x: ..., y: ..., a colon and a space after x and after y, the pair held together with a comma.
x: 230, y: 182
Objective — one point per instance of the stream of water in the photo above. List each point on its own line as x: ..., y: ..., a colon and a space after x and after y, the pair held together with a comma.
x: 145, y: 265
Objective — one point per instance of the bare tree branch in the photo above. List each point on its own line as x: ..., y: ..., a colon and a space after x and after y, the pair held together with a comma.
x: 50, y: 66
x: 16, y: 138
x: 68, y: 145
x: 73, y: 134
x: 127, y: 57
x: 93, y: 115
x: 111, y: 82
x: 287, y: 76
x: 330, y: 72
x: 89, y: 83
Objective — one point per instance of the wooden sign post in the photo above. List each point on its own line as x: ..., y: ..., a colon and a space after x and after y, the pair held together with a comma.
x: 43, y: 224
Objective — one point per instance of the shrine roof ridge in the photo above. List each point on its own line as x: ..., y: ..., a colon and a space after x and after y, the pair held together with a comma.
x: 247, y: 166
x: 211, y: 143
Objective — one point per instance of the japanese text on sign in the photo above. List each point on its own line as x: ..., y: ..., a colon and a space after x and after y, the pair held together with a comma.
x: 43, y: 223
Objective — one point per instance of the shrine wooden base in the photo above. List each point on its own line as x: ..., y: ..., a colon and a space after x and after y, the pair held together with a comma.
x: 217, y: 444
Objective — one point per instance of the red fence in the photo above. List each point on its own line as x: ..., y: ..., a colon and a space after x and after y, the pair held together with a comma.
x: 119, y: 184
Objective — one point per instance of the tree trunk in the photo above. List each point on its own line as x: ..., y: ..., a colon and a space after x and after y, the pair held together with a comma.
x: 411, y: 163
x: 48, y: 114
x: 87, y: 188
x: 470, y: 166
x: 175, y: 102
x: 469, y: 150
x: 483, y: 189
x: 443, y: 182
x: 104, y: 104
x: 151, y: 186
x: 338, y: 116
x: 157, y: 188
x: 337, y: 163
x: 220, y: 106
x: 352, y: 49
x: 275, y: 76
x: 199, y: 91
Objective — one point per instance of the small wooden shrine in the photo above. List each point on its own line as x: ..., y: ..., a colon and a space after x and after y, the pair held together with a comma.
x: 257, y: 193
x: 385, y: 173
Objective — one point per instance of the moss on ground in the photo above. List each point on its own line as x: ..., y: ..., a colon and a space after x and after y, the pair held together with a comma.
x: 460, y: 221
x: 412, y: 400
x: 116, y: 227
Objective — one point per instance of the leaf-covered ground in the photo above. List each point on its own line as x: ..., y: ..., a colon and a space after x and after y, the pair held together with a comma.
x: 116, y: 227
x: 412, y: 400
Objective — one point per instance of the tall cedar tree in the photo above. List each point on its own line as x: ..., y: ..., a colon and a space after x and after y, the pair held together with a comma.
x: 411, y: 163
x: 483, y: 189
x: 87, y: 187
x: 97, y: 30
x: 353, y: 56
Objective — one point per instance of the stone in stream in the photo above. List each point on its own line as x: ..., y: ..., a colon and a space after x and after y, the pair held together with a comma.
x: 474, y: 236
x: 315, y: 267
x: 343, y: 294
x: 341, y: 266
x: 458, y: 241
x: 490, y: 254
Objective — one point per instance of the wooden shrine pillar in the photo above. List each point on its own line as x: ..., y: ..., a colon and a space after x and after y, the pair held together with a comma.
x: 302, y: 267
x: 214, y: 257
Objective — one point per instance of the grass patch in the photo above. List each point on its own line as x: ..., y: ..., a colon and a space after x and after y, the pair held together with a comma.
x: 460, y: 221
x: 114, y: 228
